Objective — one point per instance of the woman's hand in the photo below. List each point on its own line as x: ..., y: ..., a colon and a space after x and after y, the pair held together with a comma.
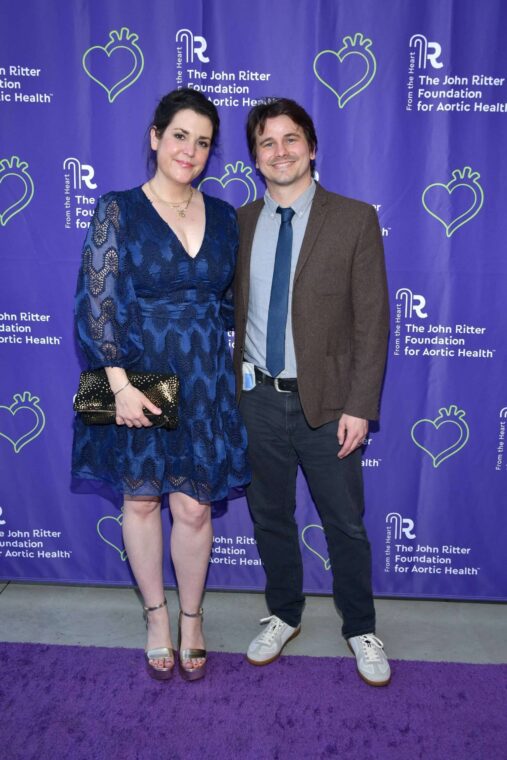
x: 130, y: 402
x: 130, y: 406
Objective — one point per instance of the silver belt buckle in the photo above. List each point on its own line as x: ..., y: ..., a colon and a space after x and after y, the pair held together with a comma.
x: 277, y: 387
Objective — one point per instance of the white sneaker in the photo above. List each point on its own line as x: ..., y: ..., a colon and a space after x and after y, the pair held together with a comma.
x: 371, y: 661
x: 268, y: 645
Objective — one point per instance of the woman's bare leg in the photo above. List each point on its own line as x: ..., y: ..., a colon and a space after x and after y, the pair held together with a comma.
x: 191, y: 538
x: 142, y: 536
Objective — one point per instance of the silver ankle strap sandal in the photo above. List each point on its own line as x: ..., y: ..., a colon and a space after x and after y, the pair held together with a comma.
x: 191, y: 674
x: 159, y: 653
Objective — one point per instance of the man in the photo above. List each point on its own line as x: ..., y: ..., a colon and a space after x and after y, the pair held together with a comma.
x: 311, y: 335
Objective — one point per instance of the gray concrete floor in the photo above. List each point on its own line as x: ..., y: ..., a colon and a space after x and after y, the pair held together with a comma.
x: 111, y: 617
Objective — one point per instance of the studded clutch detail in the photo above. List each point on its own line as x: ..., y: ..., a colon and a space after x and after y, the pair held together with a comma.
x: 95, y: 401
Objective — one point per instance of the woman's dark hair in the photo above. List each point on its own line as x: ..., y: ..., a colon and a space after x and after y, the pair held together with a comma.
x: 274, y: 107
x: 178, y: 100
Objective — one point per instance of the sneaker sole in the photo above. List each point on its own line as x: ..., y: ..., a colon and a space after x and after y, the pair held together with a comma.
x: 366, y: 680
x: 272, y: 659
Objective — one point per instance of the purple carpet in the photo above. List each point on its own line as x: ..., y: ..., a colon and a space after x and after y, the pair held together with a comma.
x: 77, y: 703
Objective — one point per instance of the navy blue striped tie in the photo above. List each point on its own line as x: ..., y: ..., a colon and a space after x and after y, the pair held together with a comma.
x: 279, y: 299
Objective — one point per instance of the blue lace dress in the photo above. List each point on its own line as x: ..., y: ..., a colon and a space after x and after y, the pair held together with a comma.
x: 143, y: 303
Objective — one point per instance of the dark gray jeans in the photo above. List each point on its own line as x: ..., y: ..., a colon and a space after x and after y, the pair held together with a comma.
x: 280, y: 439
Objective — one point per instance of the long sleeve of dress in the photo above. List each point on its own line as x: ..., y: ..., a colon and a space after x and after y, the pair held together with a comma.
x: 106, y: 309
x: 227, y: 304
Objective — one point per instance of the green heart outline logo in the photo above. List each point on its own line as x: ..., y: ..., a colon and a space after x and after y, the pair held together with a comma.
x: 126, y: 40
x: 119, y: 521
x: 325, y: 560
x: 357, y: 45
x: 446, y: 416
x: 14, y: 167
x: 238, y: 172
x: 25, y: 400
x: 460, y: 178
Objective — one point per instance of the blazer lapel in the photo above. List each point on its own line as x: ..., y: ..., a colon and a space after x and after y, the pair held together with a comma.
x: 315, y: 222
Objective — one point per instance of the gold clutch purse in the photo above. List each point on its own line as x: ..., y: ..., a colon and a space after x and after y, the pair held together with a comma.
x: 95, y: 401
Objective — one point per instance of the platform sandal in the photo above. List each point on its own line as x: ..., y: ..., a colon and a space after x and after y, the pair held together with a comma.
x: 160, y: 653
x: 191, y: 674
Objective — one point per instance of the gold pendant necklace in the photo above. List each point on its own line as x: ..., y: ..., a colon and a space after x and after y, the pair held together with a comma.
x: 181, y: 207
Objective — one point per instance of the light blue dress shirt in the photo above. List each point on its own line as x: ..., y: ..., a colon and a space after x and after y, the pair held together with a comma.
x: 261, y: 275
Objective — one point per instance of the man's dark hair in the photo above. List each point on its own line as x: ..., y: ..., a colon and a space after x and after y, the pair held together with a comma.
x: 279, y: 107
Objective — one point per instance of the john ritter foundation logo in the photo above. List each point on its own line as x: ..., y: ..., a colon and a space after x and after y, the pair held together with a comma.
x: 116, y: 65
x: 403, y: 527
x: 79, y: 174
x: 424, y: 53
x: 430, y: 89
x: 413, y: 304
x: 16, y: 188
x: 398, y: 529
x: 78, y: 178
x: 457, y: 202
x: 190, y: 47
x: 404, y: 556
x: 347, y: 71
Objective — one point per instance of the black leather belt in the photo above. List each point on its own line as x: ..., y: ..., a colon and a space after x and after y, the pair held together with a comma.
x: 281, y: 384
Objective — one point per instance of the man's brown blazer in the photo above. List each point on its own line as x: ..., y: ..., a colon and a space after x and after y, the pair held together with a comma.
x: 340, y: 313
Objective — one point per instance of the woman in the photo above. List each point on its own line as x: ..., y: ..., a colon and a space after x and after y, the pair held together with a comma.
x: 157, y: 262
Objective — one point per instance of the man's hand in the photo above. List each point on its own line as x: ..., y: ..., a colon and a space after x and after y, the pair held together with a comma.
x: 351, y: 434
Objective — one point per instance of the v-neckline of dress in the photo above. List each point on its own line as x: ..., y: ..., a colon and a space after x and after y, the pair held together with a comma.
x: 173, y: 233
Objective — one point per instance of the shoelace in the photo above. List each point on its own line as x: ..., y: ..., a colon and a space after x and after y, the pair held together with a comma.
x: 275, y: 624
x: 371, y: 646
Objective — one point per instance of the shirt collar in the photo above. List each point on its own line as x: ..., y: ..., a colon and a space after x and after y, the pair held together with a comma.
x: 300, y: 205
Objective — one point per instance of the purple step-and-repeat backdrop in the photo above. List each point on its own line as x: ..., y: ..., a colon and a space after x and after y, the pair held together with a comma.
x: 410, y: 104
